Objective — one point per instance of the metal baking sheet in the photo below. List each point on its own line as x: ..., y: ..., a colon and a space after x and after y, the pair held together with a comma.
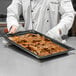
x: 33, y: 54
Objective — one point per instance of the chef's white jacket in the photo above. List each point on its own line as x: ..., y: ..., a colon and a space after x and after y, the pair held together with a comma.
x: 45, y: 16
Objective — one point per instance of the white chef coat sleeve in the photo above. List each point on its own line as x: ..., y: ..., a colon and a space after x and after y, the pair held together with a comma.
x: 13, y: 13
x: 67, y: 16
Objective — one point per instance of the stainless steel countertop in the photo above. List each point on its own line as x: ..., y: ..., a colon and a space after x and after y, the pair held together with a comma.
x: 14, y: 62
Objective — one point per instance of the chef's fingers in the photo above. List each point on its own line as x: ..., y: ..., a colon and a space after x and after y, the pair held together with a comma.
x: 13, y: 29
x: 60, y: 32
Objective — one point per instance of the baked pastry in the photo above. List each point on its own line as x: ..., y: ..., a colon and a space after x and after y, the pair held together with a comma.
x: 37, y: 44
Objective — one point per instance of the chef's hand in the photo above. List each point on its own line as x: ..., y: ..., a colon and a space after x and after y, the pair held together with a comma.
x: 55, y: 33
x: 13, y: 29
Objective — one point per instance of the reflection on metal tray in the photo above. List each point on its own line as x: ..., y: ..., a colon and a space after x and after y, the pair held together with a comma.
x: 33, y: 54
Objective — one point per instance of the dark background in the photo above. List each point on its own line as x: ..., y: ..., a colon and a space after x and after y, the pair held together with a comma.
x: 3, y: 9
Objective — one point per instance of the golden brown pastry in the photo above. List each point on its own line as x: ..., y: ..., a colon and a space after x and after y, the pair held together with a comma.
x: 37, y: 44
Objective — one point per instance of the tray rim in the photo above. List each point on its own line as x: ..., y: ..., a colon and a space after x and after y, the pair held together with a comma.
x: 33, y: 54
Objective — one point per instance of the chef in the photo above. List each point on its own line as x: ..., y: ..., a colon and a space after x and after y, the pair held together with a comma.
x: 53, y: 18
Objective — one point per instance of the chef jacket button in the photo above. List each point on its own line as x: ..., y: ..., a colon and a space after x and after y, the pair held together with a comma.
x: 47, y: 20
x: 31, y: 10
x: 33, y: 22
x: 48, y: 9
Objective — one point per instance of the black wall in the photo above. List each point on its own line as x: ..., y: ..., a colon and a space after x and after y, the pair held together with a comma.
x: 3, y: 8
x: 74, y: 4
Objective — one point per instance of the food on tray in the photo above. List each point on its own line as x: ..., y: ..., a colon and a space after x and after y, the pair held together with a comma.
x: 37, y: 44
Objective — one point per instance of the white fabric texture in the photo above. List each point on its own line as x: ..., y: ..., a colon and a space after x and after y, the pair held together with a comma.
x: 54, y: 33
x: 45, y: 16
